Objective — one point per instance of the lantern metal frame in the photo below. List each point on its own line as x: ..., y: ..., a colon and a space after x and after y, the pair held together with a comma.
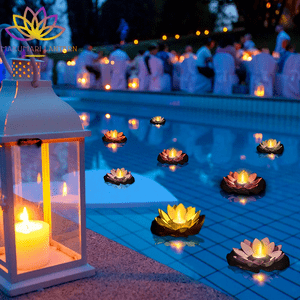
x: 18, y: 98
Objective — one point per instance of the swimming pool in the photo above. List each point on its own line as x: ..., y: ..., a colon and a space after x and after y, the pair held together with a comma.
x: 217, y: 142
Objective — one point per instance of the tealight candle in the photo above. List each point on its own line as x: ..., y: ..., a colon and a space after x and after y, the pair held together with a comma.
x: 259, y: 251
x: 120, y: 173
x: 32, y: 243
x: 114, y: 134
x: 172, y: 153
x: 271, y: 143
x: 242, y: 177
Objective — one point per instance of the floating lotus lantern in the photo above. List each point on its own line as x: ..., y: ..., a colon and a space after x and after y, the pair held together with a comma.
x: 172, y: 157
x: 260, y: 90
x: 113, y: 136
x: 259, y: 255
x: 243, y: 183
x: 179, y: 221
x: 119, y: 176
x: 270, y: 147
x: 158, y: 120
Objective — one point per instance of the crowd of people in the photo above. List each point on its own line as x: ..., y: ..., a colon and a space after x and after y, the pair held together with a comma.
x: 159, y: 69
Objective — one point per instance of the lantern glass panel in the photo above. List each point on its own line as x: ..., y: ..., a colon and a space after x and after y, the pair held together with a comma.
x: 2, y: 242
x: 46, y: 204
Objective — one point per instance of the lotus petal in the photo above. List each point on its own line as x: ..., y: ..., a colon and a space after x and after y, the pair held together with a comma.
x: 235, y: 175
x: 163, y: 215
x: 162, y: 223
x: 179, y: 153
x: 256, y: 243
x: 270, y: 248
x: 231, y: 178
x: 266, y: 241
x: 247, y: 242
x: 181, y: 211
x: 191, y: 211
x: 171, y: 211
x: 120, y: 134
x: 279, y: 247
x: 252, y: 177
x: 275, y: 254
x: 240, y: 253
x: 247, y: 249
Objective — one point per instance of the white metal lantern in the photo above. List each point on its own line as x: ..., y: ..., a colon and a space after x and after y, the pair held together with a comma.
x: 42, y: 179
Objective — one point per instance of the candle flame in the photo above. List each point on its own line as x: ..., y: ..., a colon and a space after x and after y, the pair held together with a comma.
x: 24, y: 216
x: 107, y: 87
x: 65, y: 189
x: 39, y: 179
x: 260, y: 91
x: 178, y: 218
x: 172, y: 153
x: 120, y: 173
x: 243, y: 177
x: 259, y: 251
x: 107, y: 116
x: 114, y: 134
x: 271, y: 143
x: 158, y: 118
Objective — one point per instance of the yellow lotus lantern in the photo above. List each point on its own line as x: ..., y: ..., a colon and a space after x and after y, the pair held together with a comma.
x: 260, y: 91
x: 178, y: 221
x: 172, y: 157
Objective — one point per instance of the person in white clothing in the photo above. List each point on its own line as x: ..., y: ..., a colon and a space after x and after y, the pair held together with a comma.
x: 281, y: 37
x: 119, y: 62
x: 204, y: 57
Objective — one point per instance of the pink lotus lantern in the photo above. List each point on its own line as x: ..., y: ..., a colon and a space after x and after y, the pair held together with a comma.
x: 119, y: 176
x: 40, y: 244
x: 172, y: 157
x: 113, y: 136
x: 258, y: 255
x: 243, y: 183
x: 270, y: 146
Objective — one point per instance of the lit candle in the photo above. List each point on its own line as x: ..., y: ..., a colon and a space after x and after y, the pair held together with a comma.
x: 114, y: 134
x: 242, y: 177
x: 32, y: 243
x: 65, y: 197
x: 120, y: 173
x: 39, y: 179
x: 172, y: 153
x: 259, y: 251
x: 271, y: 143
x: 158, y: 118
x: 179, y: 219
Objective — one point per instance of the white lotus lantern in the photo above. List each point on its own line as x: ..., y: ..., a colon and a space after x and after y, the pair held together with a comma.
x: 42, y: 225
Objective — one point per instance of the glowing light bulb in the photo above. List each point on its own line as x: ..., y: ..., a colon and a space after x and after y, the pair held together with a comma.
x: 177, y: 36
x: 107, y: 87
x: 198, y: 32
x: 135, y: 42
x: 107, y: 116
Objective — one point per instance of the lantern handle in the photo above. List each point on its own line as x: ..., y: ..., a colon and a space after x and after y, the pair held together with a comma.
x: 35, y: 82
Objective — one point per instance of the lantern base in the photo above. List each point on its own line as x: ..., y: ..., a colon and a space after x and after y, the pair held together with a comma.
x: 34, y: 284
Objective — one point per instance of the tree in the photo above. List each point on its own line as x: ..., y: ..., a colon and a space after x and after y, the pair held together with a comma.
x: 6, y: 15
x: 139, y: 15
x: 83, y: 21
x: 187, y: 17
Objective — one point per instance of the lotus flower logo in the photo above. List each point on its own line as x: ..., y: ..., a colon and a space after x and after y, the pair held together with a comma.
x: 35, y: 29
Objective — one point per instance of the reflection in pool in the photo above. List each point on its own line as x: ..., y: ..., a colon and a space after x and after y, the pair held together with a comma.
x: 216, y: 143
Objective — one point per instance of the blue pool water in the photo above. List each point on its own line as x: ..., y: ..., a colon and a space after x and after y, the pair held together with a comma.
x: 216, y: 143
